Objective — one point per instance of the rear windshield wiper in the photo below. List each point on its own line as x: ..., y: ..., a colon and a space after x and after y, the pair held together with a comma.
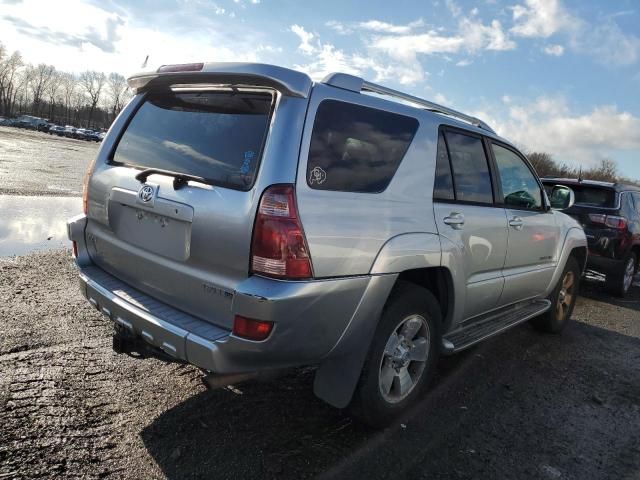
x: 179, y: 179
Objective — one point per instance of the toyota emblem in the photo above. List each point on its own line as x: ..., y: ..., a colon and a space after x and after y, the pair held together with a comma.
x: 146, y: 193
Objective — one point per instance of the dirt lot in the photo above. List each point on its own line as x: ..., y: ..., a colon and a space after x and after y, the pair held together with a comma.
x: 522, y: 405
x: 35, y: 163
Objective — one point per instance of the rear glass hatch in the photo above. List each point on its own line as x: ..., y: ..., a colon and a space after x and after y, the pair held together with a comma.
x: 186, y: 244
x: 215, y: 135
x: 589, y: 199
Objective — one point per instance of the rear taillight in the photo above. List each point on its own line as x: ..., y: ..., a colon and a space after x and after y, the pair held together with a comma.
x: 251, y: 329
x: 611, y: 221
x: 85, y: 187
x: 279, y: 248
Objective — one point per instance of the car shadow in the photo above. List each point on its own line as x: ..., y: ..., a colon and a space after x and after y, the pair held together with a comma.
x: 480, y: 404
x: 261, y: 429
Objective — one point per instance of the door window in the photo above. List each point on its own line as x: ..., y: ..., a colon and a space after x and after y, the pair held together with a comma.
x: 470, y: 169
x: 443, y: 185
x: 519, y: 186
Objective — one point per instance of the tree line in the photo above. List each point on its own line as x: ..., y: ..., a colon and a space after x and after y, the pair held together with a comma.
x: 606, y: 170
x: 90, y: 99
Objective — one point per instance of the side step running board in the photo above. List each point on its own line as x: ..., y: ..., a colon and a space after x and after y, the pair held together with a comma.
x: 481, y: 329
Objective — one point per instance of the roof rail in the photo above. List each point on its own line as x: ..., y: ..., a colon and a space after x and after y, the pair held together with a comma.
x: 357, y: 84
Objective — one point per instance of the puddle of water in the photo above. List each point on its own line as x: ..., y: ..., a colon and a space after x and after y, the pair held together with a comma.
x: 28, y: 224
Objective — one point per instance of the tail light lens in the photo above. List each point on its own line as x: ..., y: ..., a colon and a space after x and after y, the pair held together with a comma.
x: 182, y: 67
x: 85, y: 187
x: 279, y: 247
x: 611, y: 221
x: 251, y: 329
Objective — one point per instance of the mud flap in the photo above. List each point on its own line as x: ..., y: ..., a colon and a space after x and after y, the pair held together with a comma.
x: 338, y: 375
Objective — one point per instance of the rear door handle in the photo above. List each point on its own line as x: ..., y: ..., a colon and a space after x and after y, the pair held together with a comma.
x: 516, y: 222
x: 454, y: 220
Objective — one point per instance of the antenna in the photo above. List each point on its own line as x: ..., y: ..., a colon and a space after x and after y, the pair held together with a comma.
x: 144, y: 64
x: 580, y: 174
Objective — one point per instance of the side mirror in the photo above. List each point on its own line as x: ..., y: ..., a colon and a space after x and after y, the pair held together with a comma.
x: 562, y: 197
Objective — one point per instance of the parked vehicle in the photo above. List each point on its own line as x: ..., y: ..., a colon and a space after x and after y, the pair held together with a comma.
x: 81, y: 134
x: 43, y: 127
x: 610, y: 216
x: 93, y: 136
x: 284, y: 223
x: 58, y: 130
x: 70, y: 131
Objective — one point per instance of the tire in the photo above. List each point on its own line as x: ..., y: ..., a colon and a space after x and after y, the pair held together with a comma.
x: 379, y: 399
x: 619, y: 284
x: 563, y: 299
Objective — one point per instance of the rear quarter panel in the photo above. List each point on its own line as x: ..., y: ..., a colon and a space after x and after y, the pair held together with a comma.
x: 345, y: 230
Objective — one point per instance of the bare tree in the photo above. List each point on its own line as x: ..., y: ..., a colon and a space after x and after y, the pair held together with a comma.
x: 92, y: 82
x: 68, y: 85
x: 40, y: 78
x: 543, y: 163
x: 51, y: 89
x: 118, y: 93
x: 9, y: 80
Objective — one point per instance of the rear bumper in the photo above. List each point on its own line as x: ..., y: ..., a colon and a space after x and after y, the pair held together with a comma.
x: 310, y: 317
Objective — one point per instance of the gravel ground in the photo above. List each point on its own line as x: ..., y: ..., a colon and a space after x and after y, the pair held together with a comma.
x: 59, y: 169
x: 522, y: 405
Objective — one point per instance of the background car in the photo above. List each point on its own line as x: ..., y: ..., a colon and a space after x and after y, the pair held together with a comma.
x: 56, y: 130
x: 69, y: 131
x: 610, y: 216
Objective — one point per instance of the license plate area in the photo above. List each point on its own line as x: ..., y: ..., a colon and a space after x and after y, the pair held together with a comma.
x: 155, y: 232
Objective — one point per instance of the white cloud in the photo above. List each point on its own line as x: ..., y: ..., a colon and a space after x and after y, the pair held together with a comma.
x: 328, y: 59
x: 549, y: 125
x: 374, y: 26
x: 541, y: 18
x: 305, y: 39
x: 92, y: 37
x: 464, y: 63
x: 554, y: 50
x: 609, y: 44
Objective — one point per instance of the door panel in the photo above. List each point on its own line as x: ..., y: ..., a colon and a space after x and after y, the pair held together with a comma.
x: 482, y: 239
x: 533, y: 233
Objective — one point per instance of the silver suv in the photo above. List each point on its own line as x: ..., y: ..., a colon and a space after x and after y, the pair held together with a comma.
x: 245, y: 219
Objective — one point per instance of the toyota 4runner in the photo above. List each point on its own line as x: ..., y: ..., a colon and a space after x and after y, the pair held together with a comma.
x: 245, y: 219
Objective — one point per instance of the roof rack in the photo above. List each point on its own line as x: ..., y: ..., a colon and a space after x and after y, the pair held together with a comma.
x: 357, y: 84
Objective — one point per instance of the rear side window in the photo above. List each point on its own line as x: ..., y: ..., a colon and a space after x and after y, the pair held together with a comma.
x: 355, y: 148
x: 470, y: 169
x: 215, y: 135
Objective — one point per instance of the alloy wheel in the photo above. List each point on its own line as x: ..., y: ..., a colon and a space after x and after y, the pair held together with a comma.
x: 565, y: 295
x: 404, y: 358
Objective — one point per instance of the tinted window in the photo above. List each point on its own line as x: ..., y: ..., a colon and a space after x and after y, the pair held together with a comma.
x: 636, y: 200
x: 356, y: 148
x: 470, y: 169
x: 588, y: 195
x: 519, y: 186
x: 443, y: 185
x: 214, y: 135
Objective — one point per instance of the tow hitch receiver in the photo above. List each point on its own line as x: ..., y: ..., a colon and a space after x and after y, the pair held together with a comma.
x: 123, y: 341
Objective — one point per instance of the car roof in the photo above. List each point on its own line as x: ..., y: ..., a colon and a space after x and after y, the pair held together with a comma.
x: 617, y: 186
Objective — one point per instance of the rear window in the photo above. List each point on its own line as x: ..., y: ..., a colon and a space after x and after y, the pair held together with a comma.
x: 588, y: 195
x: 356, y: 148
x: 215, y: 135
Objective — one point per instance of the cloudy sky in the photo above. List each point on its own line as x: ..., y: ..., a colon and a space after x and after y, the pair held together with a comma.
x: 561, y: 76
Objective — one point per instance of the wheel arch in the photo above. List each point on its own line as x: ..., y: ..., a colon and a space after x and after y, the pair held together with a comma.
x: 414, y: 258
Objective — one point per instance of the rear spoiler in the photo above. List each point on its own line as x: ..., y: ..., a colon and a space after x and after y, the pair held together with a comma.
x: 288, y: 82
